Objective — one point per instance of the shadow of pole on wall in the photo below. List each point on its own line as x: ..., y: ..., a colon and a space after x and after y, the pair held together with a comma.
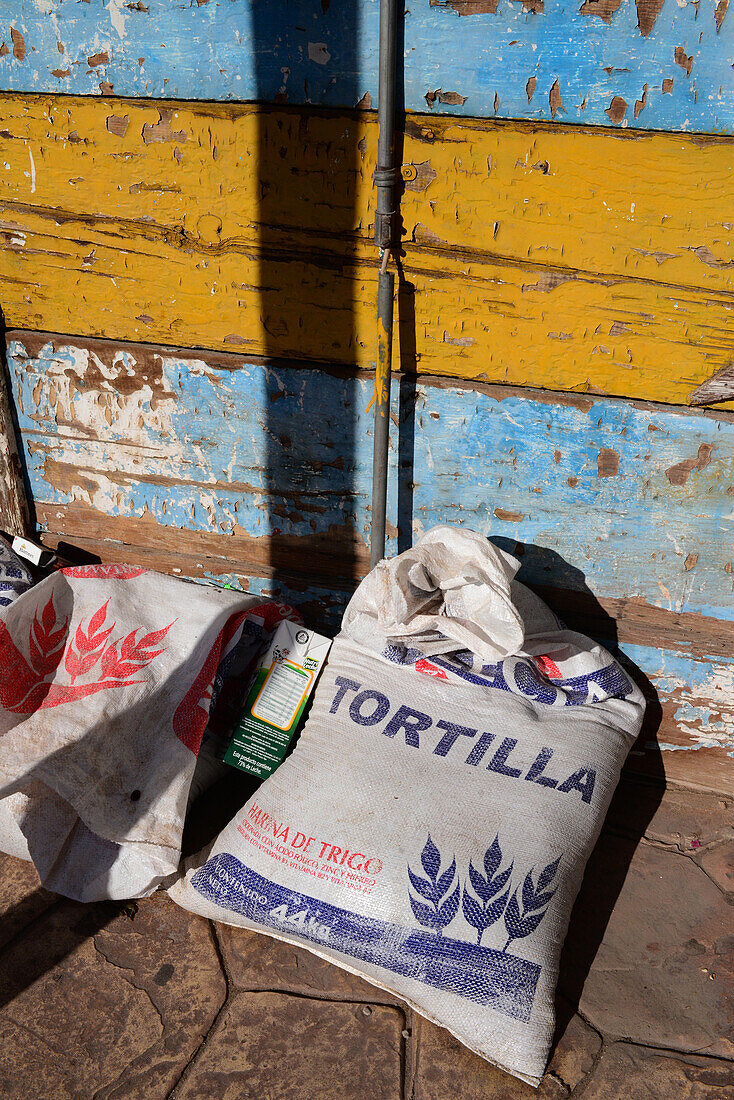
x: 408, y: 396
x: 308, y: 165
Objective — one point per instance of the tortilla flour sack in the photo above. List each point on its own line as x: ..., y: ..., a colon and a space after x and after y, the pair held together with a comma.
x: 430, y: 830
x: 106, y: 677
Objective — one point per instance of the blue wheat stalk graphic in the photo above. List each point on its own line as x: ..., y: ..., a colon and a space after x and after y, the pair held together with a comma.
x: 440, y: 910
x: 489, y: 908
x: 523, y: 916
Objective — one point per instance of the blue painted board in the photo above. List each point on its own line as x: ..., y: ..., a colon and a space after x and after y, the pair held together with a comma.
x: 701, y: 695
x: 629, y: 500
x: 562, y: 59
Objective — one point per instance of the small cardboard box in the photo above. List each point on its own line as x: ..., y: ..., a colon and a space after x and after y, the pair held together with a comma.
x: 285, y: 678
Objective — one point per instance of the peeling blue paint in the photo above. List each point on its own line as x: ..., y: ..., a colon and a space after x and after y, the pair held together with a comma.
x: 206, y: 447
x: 293, y: 51
x: 702, y: 690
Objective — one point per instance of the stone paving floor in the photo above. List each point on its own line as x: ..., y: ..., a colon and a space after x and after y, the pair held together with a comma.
x: 106, y: 1003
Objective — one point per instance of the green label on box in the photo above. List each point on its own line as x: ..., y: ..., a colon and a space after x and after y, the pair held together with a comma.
x: 271, y: 714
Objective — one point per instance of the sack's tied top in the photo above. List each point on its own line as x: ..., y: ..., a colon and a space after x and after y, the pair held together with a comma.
x: 450, y: 592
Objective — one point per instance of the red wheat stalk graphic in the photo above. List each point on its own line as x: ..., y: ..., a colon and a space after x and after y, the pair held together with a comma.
x: 133, y: 656
x: 26, y: 686
x: 89, y: 644
x: 46, y: 645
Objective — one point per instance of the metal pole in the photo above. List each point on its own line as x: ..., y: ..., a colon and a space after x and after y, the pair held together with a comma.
x: 387, y: 175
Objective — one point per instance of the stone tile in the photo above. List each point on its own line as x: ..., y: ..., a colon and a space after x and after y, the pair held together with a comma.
x: 260, y: 962
x: 718, y: 863
x: 69, y: 1022
x: 663, y: 973
x: 626, y: 1072
x: 22, y: 898
x: 445, y: 1068
x: 575, y: 1053
x: 685, y: 819
x: 293, y: 1048
x: 96, y: 1004
x: 172, y: 956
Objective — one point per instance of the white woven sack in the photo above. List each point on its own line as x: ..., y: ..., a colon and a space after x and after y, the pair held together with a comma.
x: 431, y: 829
x: 106, y: 677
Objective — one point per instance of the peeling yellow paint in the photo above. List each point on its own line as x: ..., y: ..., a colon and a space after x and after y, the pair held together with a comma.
x: 382, y: 370
x: 137, y: 232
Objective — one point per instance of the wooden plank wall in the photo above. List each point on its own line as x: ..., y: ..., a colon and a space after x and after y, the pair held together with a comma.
x: 188, y: 281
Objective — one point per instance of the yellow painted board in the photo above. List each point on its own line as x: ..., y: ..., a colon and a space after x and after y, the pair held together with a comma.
x: 640, y: 204
x: 561, y: 258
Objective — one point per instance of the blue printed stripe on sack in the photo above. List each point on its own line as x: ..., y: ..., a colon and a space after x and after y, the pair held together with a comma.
x: 488, y: 977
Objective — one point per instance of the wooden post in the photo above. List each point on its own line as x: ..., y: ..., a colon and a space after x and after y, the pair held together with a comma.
x: 15, y: 514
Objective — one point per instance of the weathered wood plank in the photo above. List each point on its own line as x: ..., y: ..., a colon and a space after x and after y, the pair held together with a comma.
x: 222, y: 226
x: 524, y: 193
x: 304, y: 564
x: 695, y: 737
x: 15, y: 518
x: 626, y: 499
x: 716, y: 389
x: 659, y: 65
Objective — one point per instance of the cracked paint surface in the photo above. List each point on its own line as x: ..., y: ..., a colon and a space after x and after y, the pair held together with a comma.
x: 221, y: 444
x: 528, y: 266
x: 670, y: 60
x: 702, y: 692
